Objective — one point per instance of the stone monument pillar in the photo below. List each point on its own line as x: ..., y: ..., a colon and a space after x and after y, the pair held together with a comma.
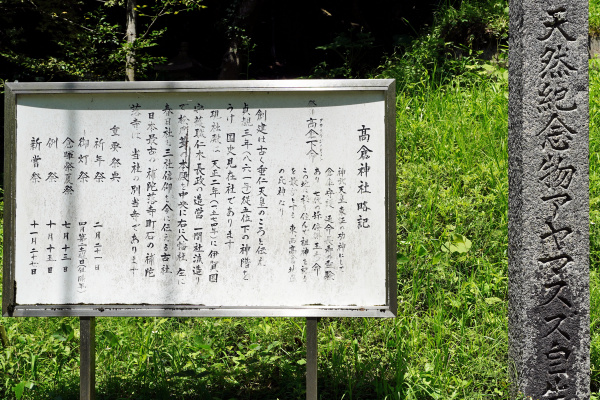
x: 548, y: 228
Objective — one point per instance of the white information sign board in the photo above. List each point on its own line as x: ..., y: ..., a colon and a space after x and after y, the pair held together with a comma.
x: 204, y: 198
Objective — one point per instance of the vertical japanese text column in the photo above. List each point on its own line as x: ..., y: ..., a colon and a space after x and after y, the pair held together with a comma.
x: 548, y: 200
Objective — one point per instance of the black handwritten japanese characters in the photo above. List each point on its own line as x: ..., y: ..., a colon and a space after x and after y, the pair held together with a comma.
x: 194, y: 198
x: 64, y: 247
x: 548, y: 239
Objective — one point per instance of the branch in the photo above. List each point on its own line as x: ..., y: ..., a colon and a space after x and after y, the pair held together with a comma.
x: 76, y: 24
x: 54, y: 15
x: 160, y: 14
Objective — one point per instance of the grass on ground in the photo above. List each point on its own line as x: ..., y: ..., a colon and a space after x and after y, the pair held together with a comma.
x: 449, y: 340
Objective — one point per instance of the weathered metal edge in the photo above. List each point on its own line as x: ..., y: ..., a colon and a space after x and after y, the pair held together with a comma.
x: 10, y: 132
x: 390, y: 310
x: 390, y: 189
x: 113, y: 310
x: 200, y: 86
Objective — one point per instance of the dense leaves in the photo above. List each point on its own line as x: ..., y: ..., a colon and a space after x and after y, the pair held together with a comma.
x: 43, y: 40
x: 449, y: 340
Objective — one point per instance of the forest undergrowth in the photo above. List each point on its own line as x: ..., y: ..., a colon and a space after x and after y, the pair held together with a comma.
x: 449, y: 339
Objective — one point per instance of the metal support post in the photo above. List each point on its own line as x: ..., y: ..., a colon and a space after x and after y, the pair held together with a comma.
x: 87, y: 351
x: 311, y: 358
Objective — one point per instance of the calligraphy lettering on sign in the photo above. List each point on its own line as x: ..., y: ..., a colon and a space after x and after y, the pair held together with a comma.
x: 554, y: 291
x: 553, y: 97
x: 555, y: 263
x: 54, y: 246
x: 555, y: 62
x: 190, y: 195
x: 556, y: 22
x: 363, y: 168
x: 558, y: 356
x: 557, y: 235
x: 557, y: 134
x: 558, y: 200
x: 554, y: 325
x: 314, y: 133
x: 556, y: 173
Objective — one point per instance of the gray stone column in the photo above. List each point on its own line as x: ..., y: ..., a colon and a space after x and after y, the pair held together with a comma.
x: 548, y: 250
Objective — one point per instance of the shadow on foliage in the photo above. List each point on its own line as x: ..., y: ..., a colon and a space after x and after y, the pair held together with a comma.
x: 265, y: 382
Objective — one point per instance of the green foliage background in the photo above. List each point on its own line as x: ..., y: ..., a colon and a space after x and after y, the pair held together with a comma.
x: 449, y: 340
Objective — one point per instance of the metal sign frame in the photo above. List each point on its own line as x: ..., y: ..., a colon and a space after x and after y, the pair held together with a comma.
x: 16, y: 91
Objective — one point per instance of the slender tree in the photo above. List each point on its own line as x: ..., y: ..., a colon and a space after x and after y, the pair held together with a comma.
x: 131, y: 36
x: 241, y: 24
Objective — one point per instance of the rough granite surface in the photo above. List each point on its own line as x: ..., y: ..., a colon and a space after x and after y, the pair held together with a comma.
x: 548, y: 228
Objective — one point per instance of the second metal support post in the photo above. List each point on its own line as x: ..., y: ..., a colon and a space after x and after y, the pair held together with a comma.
x: 87, y: 361
x: 311, y: 358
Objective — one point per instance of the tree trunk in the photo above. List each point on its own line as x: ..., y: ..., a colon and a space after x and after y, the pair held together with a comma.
x: 230, y: 65
x: 131, y: 35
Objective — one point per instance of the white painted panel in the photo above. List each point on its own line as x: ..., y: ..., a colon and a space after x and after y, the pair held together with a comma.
x: 218, y: 199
